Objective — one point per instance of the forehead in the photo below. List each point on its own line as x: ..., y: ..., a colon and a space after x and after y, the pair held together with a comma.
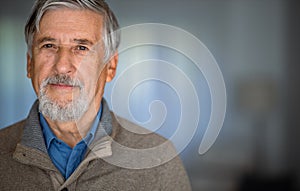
x: 64, y: 24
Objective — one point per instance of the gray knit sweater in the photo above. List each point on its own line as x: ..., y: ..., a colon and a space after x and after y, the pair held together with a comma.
x: 108, y: 165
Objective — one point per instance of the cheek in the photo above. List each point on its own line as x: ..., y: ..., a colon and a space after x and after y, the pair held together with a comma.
x: 91, y: 70
x: 90, y: 77
x: 101, y: 81
x: 94, y: 80
x: 40, y: 71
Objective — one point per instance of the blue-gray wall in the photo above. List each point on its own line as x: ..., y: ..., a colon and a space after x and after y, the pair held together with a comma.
x: 249, y: 40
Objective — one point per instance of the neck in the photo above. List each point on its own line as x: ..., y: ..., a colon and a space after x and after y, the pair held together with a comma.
x: 74, y: 131
x: 69, y: 132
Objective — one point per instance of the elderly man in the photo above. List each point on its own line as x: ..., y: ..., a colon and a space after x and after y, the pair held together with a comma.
x: 70, y: 139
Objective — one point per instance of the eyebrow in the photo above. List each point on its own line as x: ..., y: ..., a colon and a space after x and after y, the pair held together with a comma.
x: 46, y: 39
x: 83, y: 41
x: 78, y: 41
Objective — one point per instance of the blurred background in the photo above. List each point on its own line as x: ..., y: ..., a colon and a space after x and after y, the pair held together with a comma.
x: 255, y: 43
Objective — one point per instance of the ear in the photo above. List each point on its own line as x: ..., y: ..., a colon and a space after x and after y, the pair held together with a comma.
x: 29, y: 66
x: 112, y: 67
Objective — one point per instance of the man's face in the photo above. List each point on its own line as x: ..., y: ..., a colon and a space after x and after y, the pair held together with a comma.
x: 67, y: 59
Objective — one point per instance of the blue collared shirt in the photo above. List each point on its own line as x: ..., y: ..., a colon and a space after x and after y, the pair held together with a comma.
x: 63, y: 156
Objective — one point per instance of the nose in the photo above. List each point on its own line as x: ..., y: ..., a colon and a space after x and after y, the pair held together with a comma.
x: 64, y: 63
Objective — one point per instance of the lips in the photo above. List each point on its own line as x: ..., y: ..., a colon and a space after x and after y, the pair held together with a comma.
x: 62, y: 86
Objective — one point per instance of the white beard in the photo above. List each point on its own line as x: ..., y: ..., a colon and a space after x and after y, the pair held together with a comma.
x: 71, y: 111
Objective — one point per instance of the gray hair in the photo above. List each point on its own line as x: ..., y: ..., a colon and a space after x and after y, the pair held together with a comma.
x: 111, y: 35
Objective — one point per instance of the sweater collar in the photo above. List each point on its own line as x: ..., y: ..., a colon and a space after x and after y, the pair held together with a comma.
x: 33, y: 135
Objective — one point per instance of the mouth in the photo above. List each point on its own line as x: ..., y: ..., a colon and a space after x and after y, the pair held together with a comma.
x: 62, y: 86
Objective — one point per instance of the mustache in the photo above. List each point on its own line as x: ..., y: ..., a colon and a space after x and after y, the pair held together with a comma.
x: 63, y: 79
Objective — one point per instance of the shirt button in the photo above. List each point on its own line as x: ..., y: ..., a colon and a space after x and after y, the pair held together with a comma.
x: 64, y: 189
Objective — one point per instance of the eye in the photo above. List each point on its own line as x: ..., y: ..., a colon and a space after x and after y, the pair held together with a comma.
x: 82, y: 48
x: 48, y: 46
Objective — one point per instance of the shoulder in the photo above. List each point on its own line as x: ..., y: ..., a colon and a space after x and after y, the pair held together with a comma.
x: 134, y: 136
x: 132, y: 142
x: 138, y: 148
x: 10, y: 136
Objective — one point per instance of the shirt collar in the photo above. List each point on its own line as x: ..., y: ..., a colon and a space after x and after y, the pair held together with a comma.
x: 91, y: 134
x: 49, y: 135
